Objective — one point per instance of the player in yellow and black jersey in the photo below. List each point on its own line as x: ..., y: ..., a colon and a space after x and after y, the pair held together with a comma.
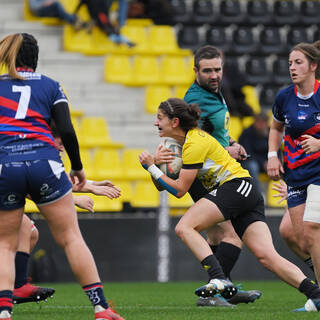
x: 231, y: 195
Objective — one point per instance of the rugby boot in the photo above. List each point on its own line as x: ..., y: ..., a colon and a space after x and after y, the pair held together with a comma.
x: 101, y: 313
x: 216, y: 301
x: 312, y: 305
x: 225, y: 287
x: 31, y: 293
x: 243, y: 296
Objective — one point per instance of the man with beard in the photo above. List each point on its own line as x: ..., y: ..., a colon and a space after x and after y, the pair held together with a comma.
x: 206, y: 93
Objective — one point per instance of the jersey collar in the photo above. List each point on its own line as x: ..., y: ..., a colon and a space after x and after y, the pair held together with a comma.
x: 315, y: 88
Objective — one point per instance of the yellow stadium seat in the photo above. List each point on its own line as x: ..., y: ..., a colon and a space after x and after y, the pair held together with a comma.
x: 140, y: 22
x: 87, y: 162
x: 118, y: 69
x: 247, y: 121
x: 101, y: 44
x: 76, y: 113
x: 126, y: 189
x: 184, y: 202
x: 94, y: 133
x: 145, y: 195
x: 163, y: 40
x: 138, y: 35
x: 132, y: 167
x: 86, y: 159
x: 175, y: 71
x: 180, y: 91
x: 30, y: 207
x: 145, y: 71
x: 235, y: 128
x: 251, y: 98
x: 101, y: 203
x: 29, y: 16
x: 107, y: 164
x: 70, y: 6
x: 272, y: 201
x: 76, y: 41
x: 154, y: 95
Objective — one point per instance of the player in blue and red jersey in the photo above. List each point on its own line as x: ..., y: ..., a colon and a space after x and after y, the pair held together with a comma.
x: 296, y: 112
x: 30, y: 164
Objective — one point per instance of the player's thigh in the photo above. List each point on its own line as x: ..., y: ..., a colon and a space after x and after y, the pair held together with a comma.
x: 10, y: 226
x: 202, y: 215
x: 257, y: 237
x: 61, y: 216
x: 296, y: 216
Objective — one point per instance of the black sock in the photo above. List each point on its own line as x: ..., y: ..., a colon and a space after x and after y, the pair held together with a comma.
x: 309, y: 288
x: 95, y: 294
x: 227, y: 255
x: 309, y: 263
x: 21, y: 264
x: 214, y: 248
x: 212, y: 266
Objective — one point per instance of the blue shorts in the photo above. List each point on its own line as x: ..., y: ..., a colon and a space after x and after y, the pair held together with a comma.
x: 44, y: 180
x: 298, y: 195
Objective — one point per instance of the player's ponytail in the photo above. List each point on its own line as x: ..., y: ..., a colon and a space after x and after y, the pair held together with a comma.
x: 9, y: 48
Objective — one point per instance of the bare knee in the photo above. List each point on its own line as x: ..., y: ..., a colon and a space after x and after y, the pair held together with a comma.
x: 180, y: 231
x: 264, y: 259
x: 311, y: 234
x: 34, y: 237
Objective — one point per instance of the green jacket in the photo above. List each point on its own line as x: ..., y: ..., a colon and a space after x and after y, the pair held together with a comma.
x: 214, y: 112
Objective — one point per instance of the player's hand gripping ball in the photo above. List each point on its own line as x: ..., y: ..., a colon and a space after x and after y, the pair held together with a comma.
x: 173, y: 168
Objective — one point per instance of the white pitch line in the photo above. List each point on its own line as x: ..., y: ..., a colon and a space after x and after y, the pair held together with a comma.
x: 126, y: 307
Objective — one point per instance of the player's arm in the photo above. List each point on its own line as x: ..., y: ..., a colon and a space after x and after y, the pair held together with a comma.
x: 177, y: 187
x: 274, y: 167
x: 64, y: 127
x: 99, y: 188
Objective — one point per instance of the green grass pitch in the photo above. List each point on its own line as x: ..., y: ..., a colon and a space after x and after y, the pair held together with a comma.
x: 166, y: 301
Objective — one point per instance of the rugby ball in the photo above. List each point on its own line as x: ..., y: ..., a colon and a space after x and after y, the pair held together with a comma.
x: 173, y: 168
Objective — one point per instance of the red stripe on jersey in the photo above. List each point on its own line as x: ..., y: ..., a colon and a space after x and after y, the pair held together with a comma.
x: 294, y: 154
x: 303, y: 161
x: 38, y: 136
x: 312, y: 131
x: 13, y: 105
x: 23, y: 124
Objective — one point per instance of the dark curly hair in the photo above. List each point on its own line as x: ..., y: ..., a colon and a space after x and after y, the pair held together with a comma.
x: 188, y: 114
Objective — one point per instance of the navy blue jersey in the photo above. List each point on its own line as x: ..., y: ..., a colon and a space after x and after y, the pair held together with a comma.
x: 300, y: 115
x: 25, y: 113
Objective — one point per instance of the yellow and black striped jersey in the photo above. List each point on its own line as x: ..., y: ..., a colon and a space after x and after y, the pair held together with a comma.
x: 202, y: 151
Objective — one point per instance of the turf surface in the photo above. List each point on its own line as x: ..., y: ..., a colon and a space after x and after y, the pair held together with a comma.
x: 169, y: 301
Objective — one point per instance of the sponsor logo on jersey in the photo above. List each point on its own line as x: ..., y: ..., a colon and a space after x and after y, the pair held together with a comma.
x: 302, y: 115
